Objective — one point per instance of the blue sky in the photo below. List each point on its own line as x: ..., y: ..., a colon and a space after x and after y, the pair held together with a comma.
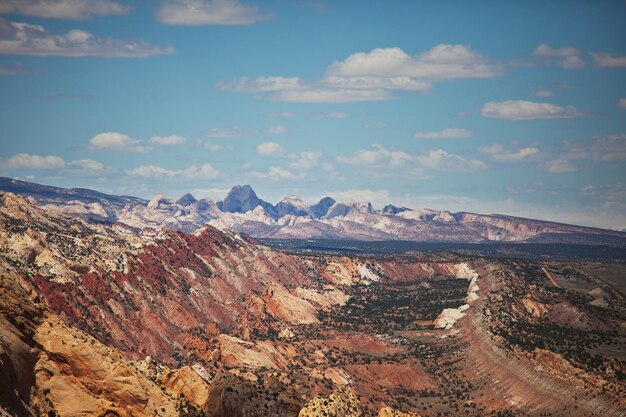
x: 507, y: 107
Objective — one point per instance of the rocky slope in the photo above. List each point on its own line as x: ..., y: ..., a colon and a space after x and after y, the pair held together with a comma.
x: 109, y: 320
x: 243, y: 211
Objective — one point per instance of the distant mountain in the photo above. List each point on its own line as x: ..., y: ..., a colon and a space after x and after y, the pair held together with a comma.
x: 241, y: 199
x: 186, y: 200
x: 243, y: 211
x: 292, y: 205
x: 321, y: 208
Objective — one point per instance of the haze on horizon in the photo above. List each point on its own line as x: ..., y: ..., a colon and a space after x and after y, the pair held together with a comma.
x: 492, y: 107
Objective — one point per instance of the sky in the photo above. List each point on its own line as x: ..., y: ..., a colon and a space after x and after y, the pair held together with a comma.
x: 509, y: 107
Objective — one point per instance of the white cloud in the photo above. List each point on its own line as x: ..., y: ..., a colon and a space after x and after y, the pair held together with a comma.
x: 622, y: 103
x: 607, y: 60
x: 567, y: 57
x: 499, y: 153
x: 376, y: 82
x: 442, y: 62
x: 436, y: 160
x: 114, y: 141
x: 376, y: 155
x: 528, y: 110
x: 28, y: 161
x: 212, y: 147
x: 208, y: 12
x: 82, y: 167
x: 276, y: 173
x: 440, y: 160
x: 204, y: 172
x: 88, y: 167
x: 447, y: 133
x: 219, y: 132
x: 168, y: 140
x: 371, y: 76
x: 28, y: 39
x: 558, y: 166
x: 260, y: 84
x: 306, y: 160
x: 331, y: 96
x: 333, y: 115
x: 277, y: 130
x: 63, y: 9
x: 119, y: 142
x: 270, y: 150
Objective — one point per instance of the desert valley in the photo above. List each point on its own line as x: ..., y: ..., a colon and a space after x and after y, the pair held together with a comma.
x: 112, y: 319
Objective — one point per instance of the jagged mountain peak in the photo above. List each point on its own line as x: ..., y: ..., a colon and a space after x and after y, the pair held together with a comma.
x: 186, y: 200
x: 160, y: 200
x: 320, y: 209
x: 393, y: 210
x: 241, y: 199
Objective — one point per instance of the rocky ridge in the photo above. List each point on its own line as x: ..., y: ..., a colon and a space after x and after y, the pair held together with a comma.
x: 242, y: 211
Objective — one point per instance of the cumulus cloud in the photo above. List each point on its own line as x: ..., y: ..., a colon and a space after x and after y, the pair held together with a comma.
x: 82, y: 167
x: 374, y: 75
x: 114, y: 141
x: 119, y: 142
x: 28, y: 39
x: 447, y: 133
x: 276, y: 173
x: 270, y: 150
x: 88, y: 167
x: 442, y: 62
x: 376, y: 155
x: 558, y: 166
x: 220, y: 132
x: 331, y: 96
x: 528, y: 110
x: 260, y: 84
x: 170, y: 140
x: 63, y: 9
x: 607, y: 60
x: 208, y: 12
x: 499, y: 153
x: 567, y: 57
x: 203, y: 172
x: 306, y: 160
x: 28, y: 161
x: 436, y: 160
x: 440, y: 160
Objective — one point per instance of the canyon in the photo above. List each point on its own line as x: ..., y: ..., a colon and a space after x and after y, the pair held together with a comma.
x: 104, y: 317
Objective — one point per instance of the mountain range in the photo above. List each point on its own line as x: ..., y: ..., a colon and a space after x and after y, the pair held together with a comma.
x: 243, y: 211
